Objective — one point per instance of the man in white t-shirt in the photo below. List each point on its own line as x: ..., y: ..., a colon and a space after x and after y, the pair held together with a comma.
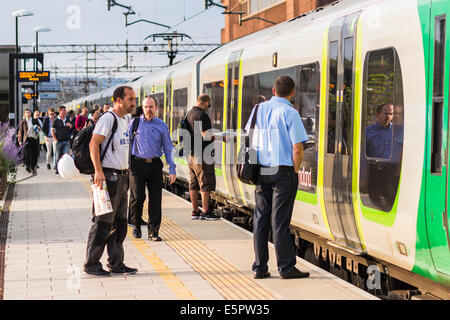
x: 111, y: 229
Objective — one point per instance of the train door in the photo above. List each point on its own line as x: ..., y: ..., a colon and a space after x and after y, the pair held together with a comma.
x: 338, y: 155
x: 437, y: 192
x: 231, y: 103
x: 168, y: 101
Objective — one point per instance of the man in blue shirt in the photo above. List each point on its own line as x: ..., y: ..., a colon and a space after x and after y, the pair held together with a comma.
x: 379, y: 135
x: 278, y: 137
x: 150, y: 139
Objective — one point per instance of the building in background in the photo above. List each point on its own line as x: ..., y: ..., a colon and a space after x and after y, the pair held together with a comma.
x: 276, y: 11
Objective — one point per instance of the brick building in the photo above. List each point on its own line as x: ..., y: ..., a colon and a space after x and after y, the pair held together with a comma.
x: 273, y: 10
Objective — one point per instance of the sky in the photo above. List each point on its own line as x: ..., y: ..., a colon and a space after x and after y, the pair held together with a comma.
x: 89, y: 22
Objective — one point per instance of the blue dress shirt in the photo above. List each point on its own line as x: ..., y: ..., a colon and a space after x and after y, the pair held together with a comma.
x: 152, y: 137
x: 278, y: 127
x: 379, y: 141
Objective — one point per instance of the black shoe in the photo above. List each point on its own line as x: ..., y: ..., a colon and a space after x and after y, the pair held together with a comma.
x: 209, y: 215
x: 37, y: 167
x: 98, y: 273
x: 261, y: 275
x: 48, y: 167
x: 28, y: 170
x: 154, y: 238
x: 124, y: 270
x: 196, y: 214
x: 295, y: 274
x: 137, y: 233
x: 56, y: 172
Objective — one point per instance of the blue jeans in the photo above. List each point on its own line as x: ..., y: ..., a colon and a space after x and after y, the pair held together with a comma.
x: 62, y: 147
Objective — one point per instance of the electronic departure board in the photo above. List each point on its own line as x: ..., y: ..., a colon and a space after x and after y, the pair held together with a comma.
x: 33, y: 76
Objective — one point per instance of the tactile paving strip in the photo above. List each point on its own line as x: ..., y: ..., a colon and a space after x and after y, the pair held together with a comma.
x: 224, y: 277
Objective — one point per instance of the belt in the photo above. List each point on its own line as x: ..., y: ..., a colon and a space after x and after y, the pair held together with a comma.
x: 150, y: 160
x: 122, y: 172
x: 284, y: 168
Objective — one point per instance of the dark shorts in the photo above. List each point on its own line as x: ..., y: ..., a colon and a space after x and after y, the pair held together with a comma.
x: 201, y: 176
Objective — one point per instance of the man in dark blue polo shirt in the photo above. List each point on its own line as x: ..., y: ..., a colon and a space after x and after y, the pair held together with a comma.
x: 379, y: 135
x: 150, y: 140
x: 278, y: 137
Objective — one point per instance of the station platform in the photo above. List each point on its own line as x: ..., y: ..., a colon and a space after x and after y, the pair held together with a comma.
x: 48, y: 223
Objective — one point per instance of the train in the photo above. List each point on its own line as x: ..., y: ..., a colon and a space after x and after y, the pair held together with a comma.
x: 380, y: 222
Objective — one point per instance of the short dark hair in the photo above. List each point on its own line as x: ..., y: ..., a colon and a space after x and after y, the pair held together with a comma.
x: 119, y: 92
x: 203, y: 98
x: 381, y: 106
x: 60, y: 108
x: 284, y: 86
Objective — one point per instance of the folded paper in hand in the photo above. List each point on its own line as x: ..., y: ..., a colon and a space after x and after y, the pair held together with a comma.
x: 102, y: 202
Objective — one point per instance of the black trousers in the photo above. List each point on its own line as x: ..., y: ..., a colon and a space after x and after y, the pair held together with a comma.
x: 110, y: 229
x: 30, y: 153
x: 144, y: 175
x: 274, y: 197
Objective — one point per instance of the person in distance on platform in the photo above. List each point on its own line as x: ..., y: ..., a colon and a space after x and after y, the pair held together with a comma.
x: 37, y: 119
x: 81, y: 119
x: 95, y: 116
x: 379, y: 135
x: 201, y: 174
x: 28, y: 136
x: 49, y: 142
x: 147, y: 144
x: 278, y: 127
x: 61, y: 135
x: 110, y: 229
x: 106, y: 107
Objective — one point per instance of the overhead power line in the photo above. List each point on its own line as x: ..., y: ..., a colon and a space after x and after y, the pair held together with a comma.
x: 120, y: 48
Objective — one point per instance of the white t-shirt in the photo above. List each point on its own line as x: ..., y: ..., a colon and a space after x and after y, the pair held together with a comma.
x: 119, y: 158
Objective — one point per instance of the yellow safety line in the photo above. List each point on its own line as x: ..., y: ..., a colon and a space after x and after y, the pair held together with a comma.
x: 171, y: 280
x: 224, y: 277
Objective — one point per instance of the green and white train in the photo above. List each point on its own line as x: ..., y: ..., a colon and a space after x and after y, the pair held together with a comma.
x: 352, y: 211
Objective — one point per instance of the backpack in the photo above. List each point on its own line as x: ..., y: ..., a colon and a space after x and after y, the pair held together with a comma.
x: 184, y: 124
x: 80, y: 147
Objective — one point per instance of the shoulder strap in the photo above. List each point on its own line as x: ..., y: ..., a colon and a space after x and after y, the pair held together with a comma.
x: 134, y: 128
x: 113, y: 131
x: 252, y: 126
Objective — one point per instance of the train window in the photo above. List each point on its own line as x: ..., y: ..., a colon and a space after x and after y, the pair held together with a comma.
x: 249, y: 98
x: 438, y: 94
x: 347, y: 105
x: 180, y: 100
x: 309, y: 98
x: 159, y: 97
x: 332, y: 96
x: 215, y: 91
x: 382, y: 129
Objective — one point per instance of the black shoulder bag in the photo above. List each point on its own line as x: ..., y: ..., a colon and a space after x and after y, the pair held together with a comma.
x: 247, y: 167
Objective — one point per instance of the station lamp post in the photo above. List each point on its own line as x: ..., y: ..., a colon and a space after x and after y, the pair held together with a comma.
x: 18, y: 14
x: 36, y: 50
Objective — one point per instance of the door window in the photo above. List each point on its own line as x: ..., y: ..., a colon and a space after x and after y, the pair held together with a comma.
x: 382, y: 129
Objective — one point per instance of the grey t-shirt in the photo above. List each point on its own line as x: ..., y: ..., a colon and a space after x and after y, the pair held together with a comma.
x: 119, y: 158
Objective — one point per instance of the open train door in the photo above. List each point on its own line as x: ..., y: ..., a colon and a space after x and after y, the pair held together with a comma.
x: 437, y: 186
